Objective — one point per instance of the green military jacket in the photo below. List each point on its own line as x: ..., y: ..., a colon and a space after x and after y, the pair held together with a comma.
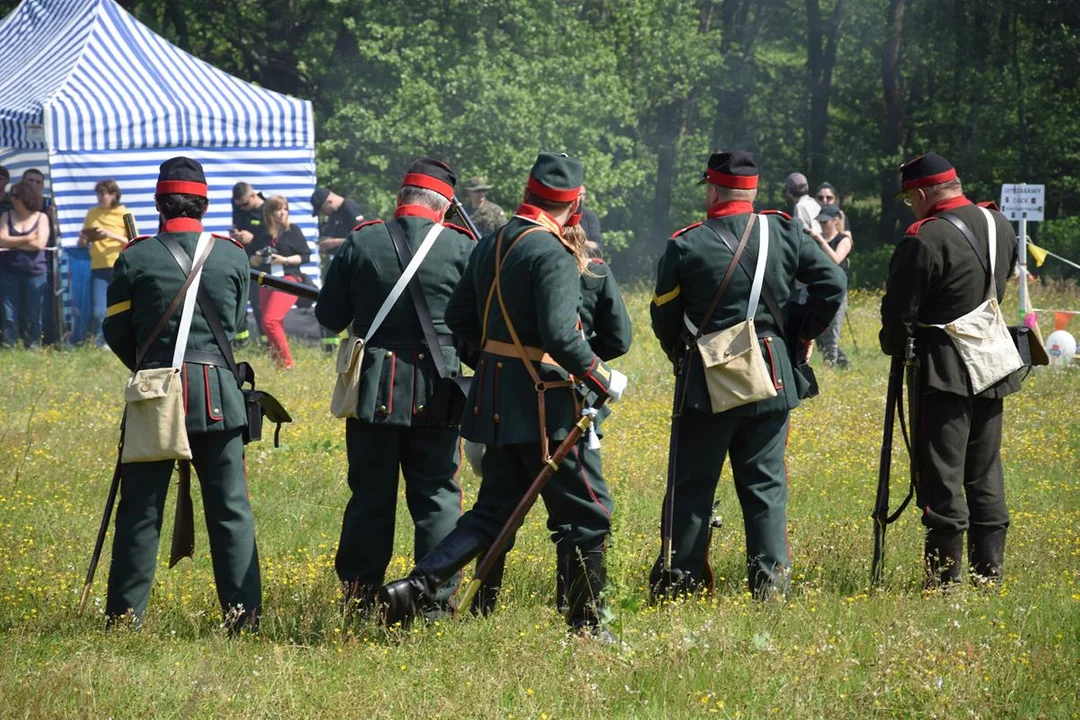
x: 692, y: 269
x: 398, y: 375
x: 145, y: 280
x: 488, y: 218
x: 542, y: 290
x: 934, y: 278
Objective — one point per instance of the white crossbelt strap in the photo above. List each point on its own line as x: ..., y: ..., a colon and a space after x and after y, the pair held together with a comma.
x: 759, y: 275
x: 403, y: 281
x: 759, y: 271
x: 992, y: 231
x: 189, y: 307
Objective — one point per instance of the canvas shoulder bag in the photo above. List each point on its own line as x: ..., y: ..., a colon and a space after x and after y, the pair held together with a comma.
x: 981, y: 337
x: 735, y: 370
x: 350, y: 358
x: 154, y: 428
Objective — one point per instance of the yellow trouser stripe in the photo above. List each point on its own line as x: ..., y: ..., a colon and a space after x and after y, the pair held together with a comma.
x: 118, y: 308
x: 667, y: 297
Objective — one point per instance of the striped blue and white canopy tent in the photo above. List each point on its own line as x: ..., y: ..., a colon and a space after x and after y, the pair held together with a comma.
x: 88, y: 92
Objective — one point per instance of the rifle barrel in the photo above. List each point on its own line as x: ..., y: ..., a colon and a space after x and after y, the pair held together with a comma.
x: 881, y: 501
x: 305, y: 291
x: 456, y: 205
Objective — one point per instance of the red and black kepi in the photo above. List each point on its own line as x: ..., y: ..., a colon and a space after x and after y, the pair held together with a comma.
x: 926, y: 170
x: 181, y: 176
x: 556, y: 177
x: 735, y: 169
x: 432, y: 175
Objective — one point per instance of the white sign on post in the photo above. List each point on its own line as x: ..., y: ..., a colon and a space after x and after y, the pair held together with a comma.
x: 1023, y: 202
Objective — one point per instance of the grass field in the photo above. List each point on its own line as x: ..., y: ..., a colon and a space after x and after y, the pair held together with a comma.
x: 833, y: 650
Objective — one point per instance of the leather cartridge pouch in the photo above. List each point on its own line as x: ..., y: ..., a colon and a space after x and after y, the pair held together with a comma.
x: 155, y: 428
x: 346, y: 397
x: 735, y: 370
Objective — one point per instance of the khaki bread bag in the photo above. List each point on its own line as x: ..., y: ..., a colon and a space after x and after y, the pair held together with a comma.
x: 735, y: 370
x: 154, y: 427
x: 981, y: 337
x: 345, y: 401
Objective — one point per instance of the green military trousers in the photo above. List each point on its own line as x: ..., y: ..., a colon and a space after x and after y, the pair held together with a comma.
x: 428, y: 458
x: 756, y: 446
x: 961, y: 481
x: 218, y: 460
x: 577, y: 500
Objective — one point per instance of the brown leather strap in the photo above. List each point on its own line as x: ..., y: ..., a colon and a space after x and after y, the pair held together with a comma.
x: 169, y: 311
x: 498, y: 269
x: 541, y: 386
x: 727, y: 276
x: 496, y: 347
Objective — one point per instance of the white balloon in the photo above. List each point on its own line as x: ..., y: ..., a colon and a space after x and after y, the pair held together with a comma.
x: 1061, y: 347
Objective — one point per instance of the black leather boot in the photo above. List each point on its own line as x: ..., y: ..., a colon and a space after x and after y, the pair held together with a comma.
x: 584, y: 587
x: 944, y: 557
x: 483, y: 603
x: 986, y: 555
x: 403, y: 600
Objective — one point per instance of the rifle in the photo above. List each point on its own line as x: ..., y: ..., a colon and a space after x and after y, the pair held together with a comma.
x: 894, y: 404
x: 114, y: 486
x: 457, y: 207
x: 667, y: 513
x: 498, y: 547
x: 308, y: 292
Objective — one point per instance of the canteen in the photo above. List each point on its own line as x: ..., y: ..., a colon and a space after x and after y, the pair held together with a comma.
x: 1061, y: 347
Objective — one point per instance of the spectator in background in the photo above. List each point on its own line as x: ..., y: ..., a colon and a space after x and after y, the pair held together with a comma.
x: 24, y: 233
x: 804, y: 209
x: 836, y: 244
x: 341, y: 216
x: 5, y: 199
x: 247, y: 224
x: 486, y: 215
x: 590, y: 223
x: 104, y: 233
x: 50, y: 312
x: 826, y: 195
x: 281, y: 250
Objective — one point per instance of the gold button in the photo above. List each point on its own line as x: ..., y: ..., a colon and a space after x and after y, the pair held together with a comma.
x: 144, y: 386
x: 389, y: 353
x: 421, y: 356
x: 216, y: 411
x: 498, y: 365
x: 497, y: 417
x: 476, y: 410
x: 419, y: 408
x: 382, y: 408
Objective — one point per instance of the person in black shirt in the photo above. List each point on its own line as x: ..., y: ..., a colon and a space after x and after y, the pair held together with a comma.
x: 280, y: 250
x: 836, y: 243
x: 341, y: 216
x: 247, y: 224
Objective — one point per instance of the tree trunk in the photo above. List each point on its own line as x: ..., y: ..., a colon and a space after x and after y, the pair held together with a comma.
x: 668, y: 128
x: 820, y: 60
x: 895, y: 124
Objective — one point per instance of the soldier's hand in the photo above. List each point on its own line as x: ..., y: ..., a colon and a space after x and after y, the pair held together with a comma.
x: 806, y: 349
x: 617, y: 386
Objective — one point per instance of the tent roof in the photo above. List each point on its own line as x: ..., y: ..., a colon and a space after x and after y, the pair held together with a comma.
x: 86, y: 75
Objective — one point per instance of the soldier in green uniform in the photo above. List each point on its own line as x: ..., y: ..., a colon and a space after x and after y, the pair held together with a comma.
x: 486, y: 215
x: 606, y: 324
x: 936, y: 276
x: 518, y: 301
x: 754, y: 435
x: 398, y: 377
x: 146, y: 278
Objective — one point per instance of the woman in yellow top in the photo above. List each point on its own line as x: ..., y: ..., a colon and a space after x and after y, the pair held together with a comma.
x: 103, y: 232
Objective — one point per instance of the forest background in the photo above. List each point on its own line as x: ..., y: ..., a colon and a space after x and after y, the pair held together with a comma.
x: 643, y: 90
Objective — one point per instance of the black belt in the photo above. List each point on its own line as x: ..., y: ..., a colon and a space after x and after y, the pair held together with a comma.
x: 194, y: 356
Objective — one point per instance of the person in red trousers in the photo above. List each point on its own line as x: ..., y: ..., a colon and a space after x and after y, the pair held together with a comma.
x: 281, y: 251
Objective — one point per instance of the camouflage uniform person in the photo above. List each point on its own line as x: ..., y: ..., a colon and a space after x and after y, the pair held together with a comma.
x: 146, y: 278
x: 486, y: 215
